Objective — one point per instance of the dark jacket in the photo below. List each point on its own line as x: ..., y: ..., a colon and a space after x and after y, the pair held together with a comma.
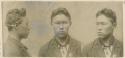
x: 95, y: 49
x: 14, y: 48
x: 51, y: 49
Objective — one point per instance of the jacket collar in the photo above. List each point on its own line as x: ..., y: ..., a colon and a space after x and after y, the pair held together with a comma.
x: 114, y: 43
x: 58, y: 42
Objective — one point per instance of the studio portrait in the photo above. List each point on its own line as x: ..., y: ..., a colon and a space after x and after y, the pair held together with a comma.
x: 62, y: 29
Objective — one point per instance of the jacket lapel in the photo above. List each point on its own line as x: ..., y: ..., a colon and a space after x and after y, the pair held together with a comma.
x: 97, y: 49
x: 116, y: 48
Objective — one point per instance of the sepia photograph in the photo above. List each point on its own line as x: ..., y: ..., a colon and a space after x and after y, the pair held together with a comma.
x: 62, y: 29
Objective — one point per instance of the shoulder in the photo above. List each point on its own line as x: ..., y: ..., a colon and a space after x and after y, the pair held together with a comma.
x: 91, y: 44
x: 46, y: 45
x: 118, y: 43
x: 11, y: 49
x: 43, y: 49
x: 119, y: 47
x: 75, y: 42
x: 87, y: 48
x: 10, y: 44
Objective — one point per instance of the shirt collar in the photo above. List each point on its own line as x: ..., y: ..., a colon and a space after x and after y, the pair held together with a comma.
x: 60, y: 44
x: 98, y: 43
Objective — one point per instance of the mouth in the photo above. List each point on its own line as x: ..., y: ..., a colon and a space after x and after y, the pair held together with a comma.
x: 100, y: 33
x: 61, y: 32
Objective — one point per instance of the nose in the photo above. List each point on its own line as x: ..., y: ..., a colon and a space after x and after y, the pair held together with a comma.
x: 61, y: 27
x: 99, y: 28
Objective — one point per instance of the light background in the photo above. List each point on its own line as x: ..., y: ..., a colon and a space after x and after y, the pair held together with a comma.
x: 83, y: 21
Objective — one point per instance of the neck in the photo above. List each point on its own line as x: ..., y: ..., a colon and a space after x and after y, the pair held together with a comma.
x: 108, y: 40
x: 62, y: 40
x: 14, y: 35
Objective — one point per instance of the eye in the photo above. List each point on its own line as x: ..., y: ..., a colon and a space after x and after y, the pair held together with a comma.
x: 101, y: 23
x: 57, y: 22
x: 64, y: 22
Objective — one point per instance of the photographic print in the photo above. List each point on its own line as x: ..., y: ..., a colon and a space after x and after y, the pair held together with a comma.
x: 62, y: 29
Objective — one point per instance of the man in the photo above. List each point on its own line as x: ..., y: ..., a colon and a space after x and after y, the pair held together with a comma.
x: 18, y: 28
x: 62, y: 45
x: 106, y: 45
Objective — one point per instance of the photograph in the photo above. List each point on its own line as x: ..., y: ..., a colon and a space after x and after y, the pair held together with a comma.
x: 62, y: 29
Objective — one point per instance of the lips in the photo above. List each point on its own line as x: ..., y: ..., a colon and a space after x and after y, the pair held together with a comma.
x: 100, y: 33
x: 61, y: 32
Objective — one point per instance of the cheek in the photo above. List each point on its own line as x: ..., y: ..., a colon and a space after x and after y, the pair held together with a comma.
x: 66, y: 27
x: 19, y: 28
x: 108, y: 29
x: 56, y: 29
x: 22, y: 29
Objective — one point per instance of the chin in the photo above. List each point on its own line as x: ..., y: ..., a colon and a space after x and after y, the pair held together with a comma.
x: 24, y: 36
x: 101, y: 37
x: 61, y: 35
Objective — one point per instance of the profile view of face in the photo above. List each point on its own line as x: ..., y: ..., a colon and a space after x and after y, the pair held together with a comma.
x: 61, y: 24
x: 23, y: 28
x: 104, y: 26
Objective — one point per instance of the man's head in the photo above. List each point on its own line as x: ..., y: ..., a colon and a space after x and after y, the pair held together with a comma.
x: 61, y: 21
x: 17, y: 22
x: 106, y: 22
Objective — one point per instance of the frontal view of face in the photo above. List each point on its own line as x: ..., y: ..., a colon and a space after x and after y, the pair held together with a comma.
x: 104, y: 26
x: 61, y: 24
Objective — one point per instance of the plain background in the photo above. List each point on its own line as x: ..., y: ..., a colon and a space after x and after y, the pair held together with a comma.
x: 83, y: 15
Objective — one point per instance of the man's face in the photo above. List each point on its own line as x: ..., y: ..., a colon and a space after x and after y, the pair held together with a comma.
x: 61, y: 24
x: 104, y: 26
x: 23, y: 28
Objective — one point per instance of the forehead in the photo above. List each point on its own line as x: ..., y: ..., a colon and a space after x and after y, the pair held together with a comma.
x: 60, y: 17
x: 103, y: 18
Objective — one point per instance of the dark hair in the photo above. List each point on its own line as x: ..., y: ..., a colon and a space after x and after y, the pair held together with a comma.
x: 13, y: 17
x: 108, y: 13
x: 60, y: 11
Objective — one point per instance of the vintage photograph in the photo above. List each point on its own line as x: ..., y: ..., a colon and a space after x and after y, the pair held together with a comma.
x: 62, y: 29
